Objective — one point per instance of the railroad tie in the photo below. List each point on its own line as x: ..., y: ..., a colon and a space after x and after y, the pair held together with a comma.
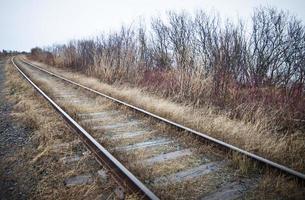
x: 189, y: 173
x: 141, y: 145
x: 166, y: 157
x: 78, y: 180
x: 88, y: 117
x: 126, y: 135
x: 117, y: 125
x: 232, y: 190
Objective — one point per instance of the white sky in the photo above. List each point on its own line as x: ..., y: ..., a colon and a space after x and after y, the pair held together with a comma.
x: 28, y: 23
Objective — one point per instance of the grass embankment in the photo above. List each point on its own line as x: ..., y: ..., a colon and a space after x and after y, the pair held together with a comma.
x: 42, y: 157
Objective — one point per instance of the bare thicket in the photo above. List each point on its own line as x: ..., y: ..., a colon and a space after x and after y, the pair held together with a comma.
x: 203, y: 60
x: 5, y: 53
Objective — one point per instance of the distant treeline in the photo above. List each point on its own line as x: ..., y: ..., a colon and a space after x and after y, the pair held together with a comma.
x: 202, y: 59
x: 5, y: 53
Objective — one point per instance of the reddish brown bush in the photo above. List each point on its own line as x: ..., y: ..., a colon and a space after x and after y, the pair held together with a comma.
x: 198, y: 60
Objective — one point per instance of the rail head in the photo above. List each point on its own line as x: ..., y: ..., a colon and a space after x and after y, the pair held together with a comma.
x: 105, y: 156
x: 300, y: 176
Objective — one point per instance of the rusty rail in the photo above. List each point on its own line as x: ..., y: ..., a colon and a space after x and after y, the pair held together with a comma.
x: 121, y: 174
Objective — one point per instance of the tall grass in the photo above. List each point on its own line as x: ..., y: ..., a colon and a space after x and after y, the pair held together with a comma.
x: 251, y: 71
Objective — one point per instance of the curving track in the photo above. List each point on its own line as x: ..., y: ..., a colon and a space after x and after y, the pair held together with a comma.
x: 163, y: 158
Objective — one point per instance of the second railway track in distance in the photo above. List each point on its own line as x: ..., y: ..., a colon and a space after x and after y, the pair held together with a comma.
x: 160, y: 153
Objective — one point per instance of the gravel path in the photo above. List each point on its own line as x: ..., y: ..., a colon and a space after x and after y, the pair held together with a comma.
x: 12, y: 139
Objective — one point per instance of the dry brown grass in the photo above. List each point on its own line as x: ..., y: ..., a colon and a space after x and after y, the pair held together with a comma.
x: 144, y: 173
x: 43, y: 160
x: 243, y: 167
x: 288, y: 149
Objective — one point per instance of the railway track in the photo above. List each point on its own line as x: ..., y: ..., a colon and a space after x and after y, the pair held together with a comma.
x: 162, y: 157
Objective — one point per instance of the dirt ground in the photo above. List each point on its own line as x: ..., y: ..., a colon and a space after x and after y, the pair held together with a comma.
x: 13, y: 138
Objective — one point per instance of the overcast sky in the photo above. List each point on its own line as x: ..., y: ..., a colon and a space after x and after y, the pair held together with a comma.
x: 28, y: 23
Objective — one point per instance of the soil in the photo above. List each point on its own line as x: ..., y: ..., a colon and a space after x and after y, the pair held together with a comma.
x: 13, y: 139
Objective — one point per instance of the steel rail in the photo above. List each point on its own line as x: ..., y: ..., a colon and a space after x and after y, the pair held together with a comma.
x: 286, y: 170
x: 122, y: 174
